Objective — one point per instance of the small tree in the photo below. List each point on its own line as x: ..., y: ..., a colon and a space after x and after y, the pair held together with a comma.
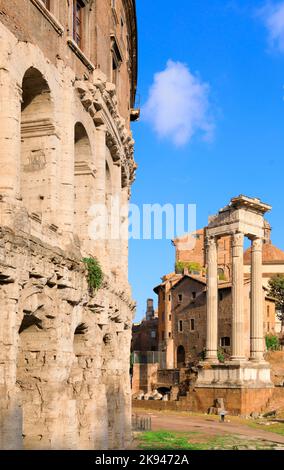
x: 276, y: 290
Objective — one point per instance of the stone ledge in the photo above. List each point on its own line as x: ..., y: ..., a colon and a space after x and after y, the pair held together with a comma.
x: 49, y: 16
x: 80, y: 54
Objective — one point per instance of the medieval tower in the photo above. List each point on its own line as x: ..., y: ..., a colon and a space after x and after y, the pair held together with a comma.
x: 68, y: 71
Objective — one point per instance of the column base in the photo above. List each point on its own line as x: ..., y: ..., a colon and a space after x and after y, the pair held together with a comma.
x: 234, y: 374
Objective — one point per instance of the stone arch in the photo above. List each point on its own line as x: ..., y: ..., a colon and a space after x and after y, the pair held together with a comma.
x: 180, y: 356
x: 39, y: 143
x: 83, y: 388
x: 36, y: 362
x: 84, y: 182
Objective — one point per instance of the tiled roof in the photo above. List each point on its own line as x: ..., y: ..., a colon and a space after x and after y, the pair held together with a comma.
x: 270, y: 254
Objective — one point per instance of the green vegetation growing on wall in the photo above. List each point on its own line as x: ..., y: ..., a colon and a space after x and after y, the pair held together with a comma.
x: 95, y: 274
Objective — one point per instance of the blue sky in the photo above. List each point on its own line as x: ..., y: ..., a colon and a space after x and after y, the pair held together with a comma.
x: 233, y: 59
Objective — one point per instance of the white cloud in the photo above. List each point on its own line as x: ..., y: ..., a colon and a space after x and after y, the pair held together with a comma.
x: 272, y: 14
x: 178, y: 105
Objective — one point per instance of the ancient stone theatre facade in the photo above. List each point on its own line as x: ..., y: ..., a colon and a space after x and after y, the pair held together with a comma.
x: 68, y: 71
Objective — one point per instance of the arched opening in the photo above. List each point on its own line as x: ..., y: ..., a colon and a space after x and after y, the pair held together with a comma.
x: 30, y: 361
x: 180, y: 356
x: 84, y: 187
x: 39, y: 144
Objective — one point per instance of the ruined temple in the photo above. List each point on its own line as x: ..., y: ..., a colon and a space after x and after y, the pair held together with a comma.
x: 68, y: 72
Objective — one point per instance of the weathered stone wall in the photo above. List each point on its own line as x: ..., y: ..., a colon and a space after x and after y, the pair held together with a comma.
x: 64, y: 353
x: 144, y: 377
x: 64, y: 146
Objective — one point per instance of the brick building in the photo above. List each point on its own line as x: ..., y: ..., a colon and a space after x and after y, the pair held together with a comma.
x: 145, y: 334
x: 188, y: 317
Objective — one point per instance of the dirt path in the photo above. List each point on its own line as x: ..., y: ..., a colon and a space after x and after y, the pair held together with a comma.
x: 207, y: 425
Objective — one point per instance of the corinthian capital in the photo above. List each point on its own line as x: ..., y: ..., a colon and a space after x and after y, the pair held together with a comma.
x: 238, y: 239
x: 257, y: 244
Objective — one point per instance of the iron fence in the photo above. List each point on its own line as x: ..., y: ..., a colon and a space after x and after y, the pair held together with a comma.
x: 141, y: 423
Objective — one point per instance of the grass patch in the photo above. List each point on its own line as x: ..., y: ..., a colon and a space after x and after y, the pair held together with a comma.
x: 278, y: 428
x: 165, y: 440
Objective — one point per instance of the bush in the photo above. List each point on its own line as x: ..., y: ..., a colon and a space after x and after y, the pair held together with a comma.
x: 191, y: 266
x: 95, y: 273
x: 272, y: 342
x: 221, y: 355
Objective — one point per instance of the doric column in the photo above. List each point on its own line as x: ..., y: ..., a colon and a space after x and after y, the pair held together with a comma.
x: 212, y: 300
x: 238, y: 352
x: 257, y: 339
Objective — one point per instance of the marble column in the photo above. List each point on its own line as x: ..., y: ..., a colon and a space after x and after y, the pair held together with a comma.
x: 256, y: 328
x: 212, y: 300
x: 238, y: 348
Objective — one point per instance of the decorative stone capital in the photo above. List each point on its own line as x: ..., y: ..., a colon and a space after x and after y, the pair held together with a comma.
x: 238, y: 239
x: 211, y: 250
x: 257, y: 244
x: 211, y: 242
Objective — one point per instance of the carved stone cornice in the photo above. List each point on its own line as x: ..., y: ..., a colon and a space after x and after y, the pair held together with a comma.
x: 100, y: 101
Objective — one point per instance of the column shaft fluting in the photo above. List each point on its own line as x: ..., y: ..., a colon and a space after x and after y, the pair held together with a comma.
x: 257, y: 337
x: 238, y: 352
x: 212, y: 301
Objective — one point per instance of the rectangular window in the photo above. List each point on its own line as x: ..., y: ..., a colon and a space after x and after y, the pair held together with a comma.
x: 170, y: 334
x: 180, y: 326
x: 170, y: 317
x: 194, y: 295
x: 180, y: 298
x: 225, y: 341
x: 153, y: 334
x: 169, y: 297
x: 268, y: 312
x: 77, y: 22
x: 192, y: 324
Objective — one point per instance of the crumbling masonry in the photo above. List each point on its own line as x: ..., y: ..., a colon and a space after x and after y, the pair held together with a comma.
x: 65, y: 144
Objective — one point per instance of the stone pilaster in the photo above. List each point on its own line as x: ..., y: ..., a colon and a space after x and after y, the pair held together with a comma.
x: 10, y: 135
x: 257, y: 339
x: 212, y: 300
x: 99, y: 242
x: 238, y: 352
x: 124, y: 231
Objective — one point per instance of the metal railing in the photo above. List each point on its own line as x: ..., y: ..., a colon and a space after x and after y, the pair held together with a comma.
x: 149, y: 357
x: 141, y: 423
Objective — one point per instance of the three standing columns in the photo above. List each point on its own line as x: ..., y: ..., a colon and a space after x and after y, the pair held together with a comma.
x: 256, y: 322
